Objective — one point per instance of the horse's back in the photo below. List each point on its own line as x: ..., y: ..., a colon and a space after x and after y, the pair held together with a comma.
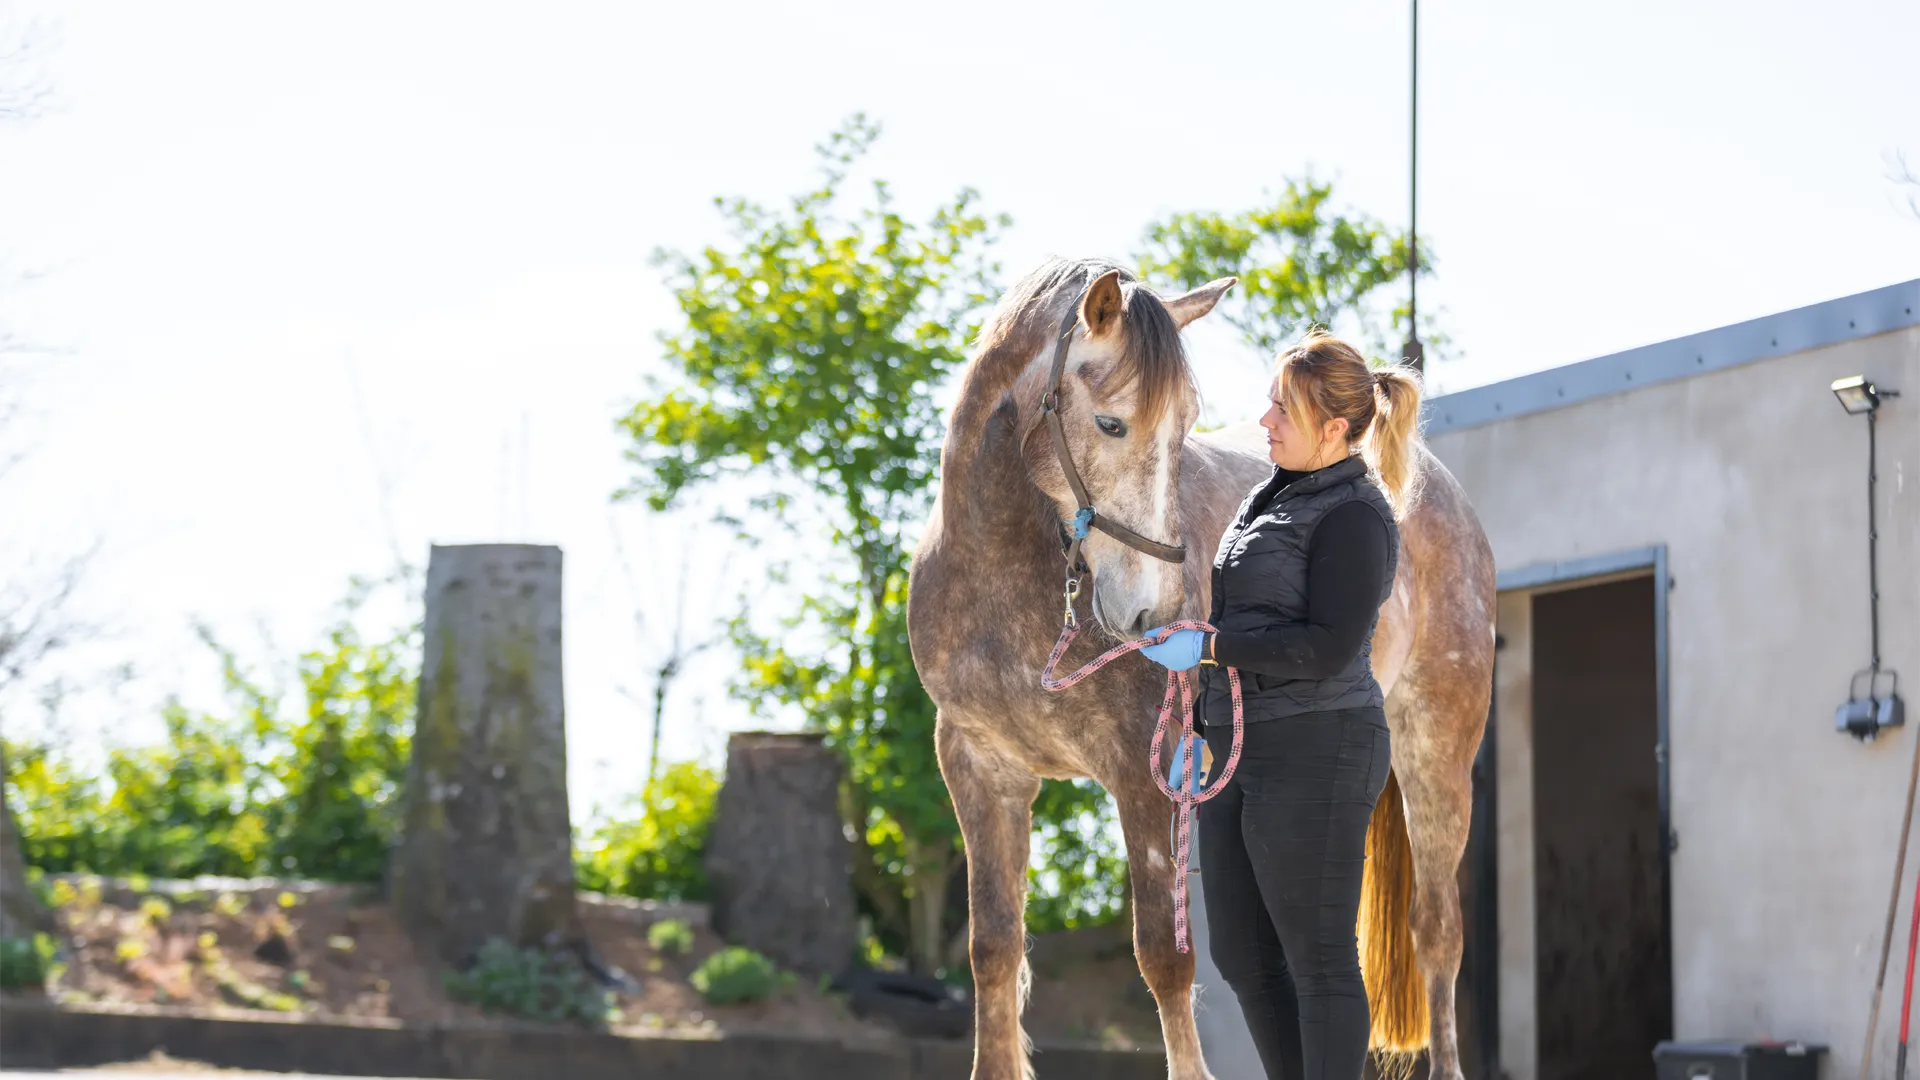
x: 1433, y: 649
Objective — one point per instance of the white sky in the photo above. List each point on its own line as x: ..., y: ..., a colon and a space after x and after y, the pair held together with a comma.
x: 240, y: 212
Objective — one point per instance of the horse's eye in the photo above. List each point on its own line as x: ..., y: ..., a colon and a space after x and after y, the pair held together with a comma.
x: 1110, y: 425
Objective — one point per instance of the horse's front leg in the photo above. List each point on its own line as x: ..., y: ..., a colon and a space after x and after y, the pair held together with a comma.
x: 1145, y: 818
x: 993, y: 800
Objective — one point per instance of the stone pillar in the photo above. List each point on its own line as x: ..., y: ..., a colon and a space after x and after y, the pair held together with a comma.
x: 778, y: 859
x: 486, y: 847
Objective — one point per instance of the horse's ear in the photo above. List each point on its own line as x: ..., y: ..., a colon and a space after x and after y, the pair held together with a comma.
x: 1100, y: 308
x: 1189, y: 306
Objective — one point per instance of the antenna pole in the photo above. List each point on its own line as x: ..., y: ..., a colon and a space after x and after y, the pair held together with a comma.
x: 1415, y: 353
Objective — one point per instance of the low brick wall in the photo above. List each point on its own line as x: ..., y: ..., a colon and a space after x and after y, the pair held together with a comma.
x: 37, y: 1035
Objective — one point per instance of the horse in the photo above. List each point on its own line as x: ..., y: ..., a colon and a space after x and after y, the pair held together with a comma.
x: 989, y: 585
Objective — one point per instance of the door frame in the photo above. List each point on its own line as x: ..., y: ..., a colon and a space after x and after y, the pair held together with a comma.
x: 1650, y: 562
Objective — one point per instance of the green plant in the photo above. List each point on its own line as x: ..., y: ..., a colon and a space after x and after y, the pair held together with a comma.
x: 1300, y: 263
x: 812, y: 355
x: 656, y: 847
x: 534, y: 984
x: 736, y: 974
x: 262, y: 787
x: 1078, y: 874
x: 26, y: 962
x: 670, y: 936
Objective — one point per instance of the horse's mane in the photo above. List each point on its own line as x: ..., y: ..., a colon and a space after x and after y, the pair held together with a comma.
x: 1153, y: 362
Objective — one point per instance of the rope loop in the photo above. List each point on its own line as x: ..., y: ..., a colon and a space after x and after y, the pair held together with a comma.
x: 1186, y: 789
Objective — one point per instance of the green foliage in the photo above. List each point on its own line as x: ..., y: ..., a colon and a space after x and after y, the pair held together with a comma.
x: 1299, y: 262
x: 655, y: 850
x: 809, y: 357
x: 26, y: 963
x: 251, y: 791
x: 670, y: 936
x: 1078, y: 876
x: 735, y: 974
x: 532, y: 984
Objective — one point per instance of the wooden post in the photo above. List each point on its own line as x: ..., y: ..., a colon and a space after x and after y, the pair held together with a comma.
x: 486, y: 848
x: 778, y: 860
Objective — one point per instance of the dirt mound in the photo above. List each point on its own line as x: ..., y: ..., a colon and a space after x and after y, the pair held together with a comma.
x: 297, y: 949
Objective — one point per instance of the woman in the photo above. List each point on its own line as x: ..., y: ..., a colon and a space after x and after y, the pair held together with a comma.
x: 1297, y: 586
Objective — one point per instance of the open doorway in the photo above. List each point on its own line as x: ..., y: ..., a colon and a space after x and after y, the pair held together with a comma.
x: 1603, y: 942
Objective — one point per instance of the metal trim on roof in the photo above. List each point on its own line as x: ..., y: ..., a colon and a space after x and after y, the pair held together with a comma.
x: 1537, y: 575
x: 1880, y: 311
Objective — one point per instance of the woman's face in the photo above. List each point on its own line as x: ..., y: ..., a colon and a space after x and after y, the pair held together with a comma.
x: 1295, y: 448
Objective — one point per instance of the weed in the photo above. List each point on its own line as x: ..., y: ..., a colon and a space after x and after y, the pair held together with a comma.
x: 532, y: 983
x: 27, y: 962
x: 670, y: 936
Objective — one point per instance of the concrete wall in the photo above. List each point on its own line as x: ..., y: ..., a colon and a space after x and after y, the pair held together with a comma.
x: 1754, y: 479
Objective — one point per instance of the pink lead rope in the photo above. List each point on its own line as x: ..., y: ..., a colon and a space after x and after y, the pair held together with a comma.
x: 1186, y: 792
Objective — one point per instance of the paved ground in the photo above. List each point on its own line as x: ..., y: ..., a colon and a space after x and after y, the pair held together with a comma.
x: 181, y: 1073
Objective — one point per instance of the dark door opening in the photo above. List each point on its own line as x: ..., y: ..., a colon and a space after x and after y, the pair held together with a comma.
x: 1604, y: 987
x: 1477, y: 990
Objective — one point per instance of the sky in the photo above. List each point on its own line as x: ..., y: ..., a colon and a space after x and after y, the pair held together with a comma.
x: 321, y: 285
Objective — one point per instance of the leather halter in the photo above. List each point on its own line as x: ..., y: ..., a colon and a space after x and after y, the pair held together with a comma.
x: 1088, y: 518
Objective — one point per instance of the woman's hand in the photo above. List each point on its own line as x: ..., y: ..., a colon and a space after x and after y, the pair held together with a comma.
x: 1179, y: 652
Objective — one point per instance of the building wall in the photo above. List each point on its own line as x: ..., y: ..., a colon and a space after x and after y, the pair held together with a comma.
x: 1754, y: 479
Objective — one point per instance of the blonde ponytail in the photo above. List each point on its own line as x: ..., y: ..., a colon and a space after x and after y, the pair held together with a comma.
x: 1394, y: 439
x: 1323, y: 378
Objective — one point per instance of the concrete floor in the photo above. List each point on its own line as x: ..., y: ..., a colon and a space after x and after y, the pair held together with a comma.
x: 169, y: 1074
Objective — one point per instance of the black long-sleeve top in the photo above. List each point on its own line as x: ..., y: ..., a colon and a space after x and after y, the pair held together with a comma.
x: 1345, y: 558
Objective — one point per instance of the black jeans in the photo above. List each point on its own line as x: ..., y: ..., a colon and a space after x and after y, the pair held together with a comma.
x: 1281, y: 853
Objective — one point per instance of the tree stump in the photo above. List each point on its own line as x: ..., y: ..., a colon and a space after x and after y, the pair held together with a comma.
x: 21, y: 914
x: 486, y: 847
x: 778, y: 859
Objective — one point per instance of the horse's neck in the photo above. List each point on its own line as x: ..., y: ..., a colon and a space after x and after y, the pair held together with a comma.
x: 990, y: 512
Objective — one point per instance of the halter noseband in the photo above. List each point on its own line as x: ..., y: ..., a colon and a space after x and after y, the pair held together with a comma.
x: 1087, y: 518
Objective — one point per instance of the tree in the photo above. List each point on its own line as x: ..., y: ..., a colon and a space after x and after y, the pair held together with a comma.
x: 808, y: 360
x: 671, y: 659
x: 35, y: 618
x: 1300, y: 264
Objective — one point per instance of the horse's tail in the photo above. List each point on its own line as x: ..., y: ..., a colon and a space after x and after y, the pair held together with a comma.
x: 1395, y: 991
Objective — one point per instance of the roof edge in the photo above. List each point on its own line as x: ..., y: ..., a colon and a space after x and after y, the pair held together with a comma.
x: 1831, y: 322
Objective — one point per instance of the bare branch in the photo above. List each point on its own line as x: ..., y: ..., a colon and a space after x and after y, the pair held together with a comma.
x: 36, y: 620
x: 25, y: 92
x: 1903, y: 173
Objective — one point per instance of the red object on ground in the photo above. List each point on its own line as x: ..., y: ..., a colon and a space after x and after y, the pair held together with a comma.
x: 1906, y: 998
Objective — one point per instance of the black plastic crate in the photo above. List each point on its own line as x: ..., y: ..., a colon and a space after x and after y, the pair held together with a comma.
x: 1735, y: 1060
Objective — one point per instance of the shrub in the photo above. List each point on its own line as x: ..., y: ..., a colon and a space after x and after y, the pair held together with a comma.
x: 670, y: 936
x: 656, y: 850
x: 735, y: 974
x: 533, y: 984
x: 26, y: 962
x: 264, y: 786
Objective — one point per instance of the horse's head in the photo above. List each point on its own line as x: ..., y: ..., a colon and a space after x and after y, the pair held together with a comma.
x: 1126, y: 402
